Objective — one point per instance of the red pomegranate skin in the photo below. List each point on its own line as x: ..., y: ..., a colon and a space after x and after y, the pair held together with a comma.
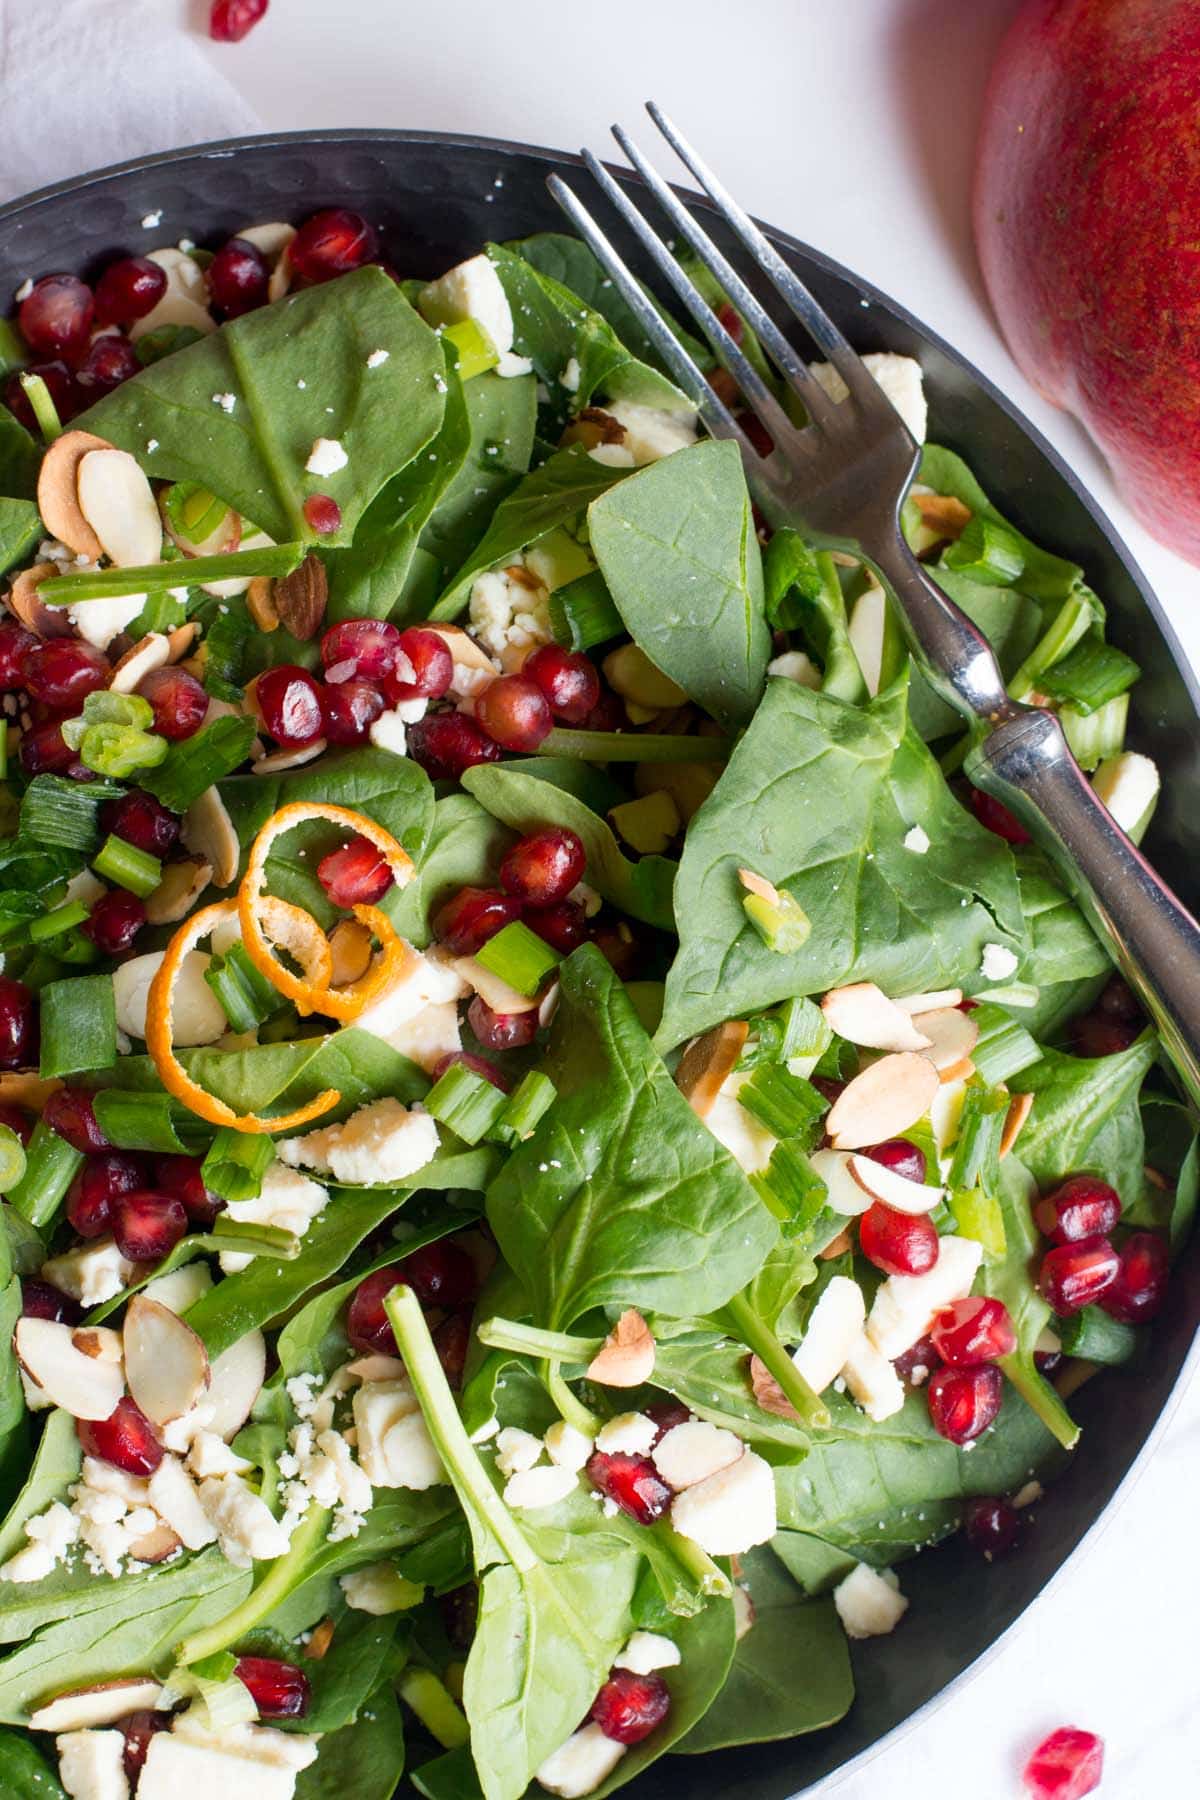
x: 1087, y: 223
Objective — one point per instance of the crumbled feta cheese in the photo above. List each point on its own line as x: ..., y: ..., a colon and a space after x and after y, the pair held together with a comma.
x: 226, y: 402
x: 650, y: 432
x: 99, y: 621
x: 869, y: 1603
x: 693, y: 1451
x: 569, y: 378
x: 730, y: 1512
x: 240, y: 1762
x: 793, y: 665
x: 916, y: 839
x: 567, y: 1446
x: 506, y: 614
x: 1128, y: 784
x: 377, y: 358
x: 581, y: 1764
x: 91, y: 1274
x: 904, y: 1305
x: 834, y: 1323
x: 629, y: 1432
x: 872, y: 1380
x: 517, y: 1450
x: 209, y: 1454
x: 287, y: 1200
x: 245, y: 1527
x: 387, y: 733
x: 418, y: 1014
x: 394, y: 1445
x: 327, y: 1470
x: 544, y: 1486
x: 382, y: 1142
x: 49, y: 1535
x: 998, y: 962
x: 898, y: 376
x: 326, y: 457
x: 91, y: 1764
x: 473, y: 290
x: 647, y: 1651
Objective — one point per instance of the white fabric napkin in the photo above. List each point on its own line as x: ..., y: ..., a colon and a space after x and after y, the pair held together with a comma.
x: 92, y: 82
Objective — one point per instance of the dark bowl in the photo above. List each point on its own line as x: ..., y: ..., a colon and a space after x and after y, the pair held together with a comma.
x: 436, y: 199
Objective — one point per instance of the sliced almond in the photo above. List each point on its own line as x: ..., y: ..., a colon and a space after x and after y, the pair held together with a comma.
x: 183, y: 303
x: 708, y: 1062
x: 768, y: 1393
x: 81, y: 1708
x: 1019, y: 1109
x: 883, y: 1102
x: 58, y: 492
x: 943, y: 513
x: 21, y: 1087
x: 270, y: 240
x: 98, y: 1343
x: 897, y: 1191
x: 627, y: 1359
x: 952, y: 1035
x: 959, y: 1071
x: 836, y: 1247
x: 148, y: 654
x: 281, y: 278
x: 350, y: 946
x: 843, y: 1193
x: 923, y: 1003
x: 208, y: 832
x: 180, y: 641
x: 863, y: 1014
x: 317, y: 1647
x: 236, y: 1381
x: 26, y: 604
x: 88, y: 1387
x: 462, y: 647
x: 301, y: 597
x: 492, y: 989
x: 181, y: 886
x: 118, y: 503
x: 155, y: 1545
x: 260, y: 603
x: 166, y: 1364
x: 279, y: 761
x: 759, y: 886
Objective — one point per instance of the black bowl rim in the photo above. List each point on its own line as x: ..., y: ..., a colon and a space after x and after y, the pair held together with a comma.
x: 567, y: 160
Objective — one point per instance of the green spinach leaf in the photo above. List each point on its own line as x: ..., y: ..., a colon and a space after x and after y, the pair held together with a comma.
x: 365, y: 1759
x: 27, y: 1775
x: 1086, y: 1116
x: 21, y: 530
x: 465, y: 847
x: 501, y: 415
x: 1012, y: 1281
x: 55, y: 1466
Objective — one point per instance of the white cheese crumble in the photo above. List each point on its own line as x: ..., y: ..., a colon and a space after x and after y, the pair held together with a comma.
x: 152, y: 219
x: 387, y: 732
x: 998, y: 962
x: 505, y: 613
x: 394, y: 1445
x: 25, y: 289
x: 382, y: 1142
x: 49, y: 1536
x: 868, y: 1603
x: 377, y: 358
x: 226, y: 402
x: 287, y: 1200
x: 326, y: 457
x: 916, y: 840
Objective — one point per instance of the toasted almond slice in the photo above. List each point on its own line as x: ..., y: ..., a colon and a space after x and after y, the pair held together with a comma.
x: 1019, y: 1109
x: 836, y: 1247
x: 350, y: 947
x: 58, y: 492
x: 627, y: 1359
x: 183, y: 303
x: 863, y: 1014
x: 156, y: 1545
x: 952, y: 1035
x: 760, y: 886
x: 26, y: 604
x: 923, y: 1003
x: 237, y: 1378
x: 148, y: 654
x: 88, y: 1387
x: 461, y: 646
x: 260, y: 603
x: 882, y: 1102
x: 180, y: 641
x: 866, y: 629
x: 98, y: 1343
x: 181, y: 886
x: 707, y: 1063
x: 492, y: 989
x: 281, y: 277
x: 166, y: 1364
x: 21, y: 1087
x: 81, y: 1708
x: 118, y: 503
x: 959, y: 1071
x: 317, y: 1647
x: 897, y: 1191
x: 941, y: 512
x: 845, y: 1195
x: 271, y: 239
x: 279, y: 761
x: 768, y: 1393
x: 208, y: 832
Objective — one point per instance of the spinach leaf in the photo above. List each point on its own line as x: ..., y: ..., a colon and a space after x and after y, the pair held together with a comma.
x: 20, y: 532
x: 1085, y: 1116
x: 297, y: 372
x: 813, y: 1565
x: 27, y: 1775
x: 803, y: 594
x: 501, y: 415
x: 465, y: 848
x: 1044, y: 577
x: 1012, y: 1281
x: 818, y: 797
x: 358, y: 1659
x: 20, y: 459
x: 677, y: 547
x: 641, y: 889
x: 712, y: 1376
x: 791, y: 1671
x: 365, y: 1759
x: 55, y: 1466
x: 621, y: 1196
x: 1063, y: 946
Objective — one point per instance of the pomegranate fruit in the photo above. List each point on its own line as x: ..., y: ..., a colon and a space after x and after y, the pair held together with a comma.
x: 56, y: 316
x: 139, y: 819
x: 128, y: 289
x: 1083, y: 1206
x: 183, y: 1176
x: 289, y: 703
x: 18, y: 1025
x: 452, y: 1340
x: 332, y: 243
x: 466, y: 922
x: 917, y: 1363
x: 629, y: 1706
x: 110, y: 360
x: 1141, y: 1284
x: 1072, y: 1276
x: 62, y: 672
x: 147, y: 1225
x: 61, y: 385
x: 322, y: 514
x: 632, y: 1482
x: 69, y: 1112
x: 91, y: 1194
x: 366, y: 648
x: 179, y: 702
x: 15, y: 645
x: 355, y: 875
x: 974, y: 1330
x: 514, y: 712
x: 898, y: 1243
x: 367, y: 1325
x: 964, y: 1402
x: 137, y: 1728
x: 901, y: 1157
x: 501, y: 1031
x: 991, y: 1526
x: 279, y: 1689
x: 42, y: 1300
x: 348, y: 710
x: 44, y: 751
x: 447, y: 744
x: 544, y: 866
x: 428, y: 657
x: 478, y: 1064
x: 126, y: 1439
x: 563, y: 925
x: 230, y: 20
x: 995, y: 817
x: 1097, y: 1033
x: 114, y: 921
x: 1065, y: 1766
x: 567, y: 679
x: 17, y: 1121
x: 237, y: 278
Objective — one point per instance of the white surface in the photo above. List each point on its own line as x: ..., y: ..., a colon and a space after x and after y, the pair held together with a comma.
x: 851, y: 126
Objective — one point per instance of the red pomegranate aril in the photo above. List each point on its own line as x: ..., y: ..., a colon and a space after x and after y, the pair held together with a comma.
x: 1082, y: 1206
x: 991, y: 1526
x: 349, y: 709
x: 56, y: 317
x: 17, y: 1121
x: 466, y: 922
x: 452, y: 1340
x: 183, y: 1176
x: 62, y: 672
x: 125, y: 1439
x: 731, y: 319
x: 666, y: 1415
x: 632, y: 1482
x: 479, y: 1064
x: 1118, y: 1000
x: 289, y: 701
x: 916, y: 1364
x: 137, y: 1728
x: 18, y: 1025
x: 563, y: 926
x: 141, y: 820
x: 629, y: 1706
x: 110, y: 360
x: 974, y: 1330
x: 995, y: 817
x: 432, y: 665
x: 440, y: 1274
x: 459, y: 1610
x: 322, y: 514
x: 513, y: 710
x: 230, y: 20
x: 898, y: 1243
x: 366, y: 648
x: 61, y: 385
x: 608, y: 714
x: 114, y: 921
x: 331, y: 243
x: 1047, y: 1361
x: 1141, y: 1284
x: 279, y: 1689
x: 147, y: 1225
x: 367, y: 1325
x: 91, y: 1194
x: 1067, y: 1765
x: 1072, y: 1276
x: 355, y: 875
x: 1095, y: 1034
x: 568, y: 680
x: 964, y: 1402
x: 15, y: 645
x: 69, y: 1112
x: 180, y: 703
x: 617, y: 944
x: 237, y: 278
x: 501, y: 1031
x: 445, y: 745
x: 901, y: 1157
x: 42, y: 1300
x: 129, y: 289
x: 44, y: 751
x: 757, y: 433
x: 544, y: 866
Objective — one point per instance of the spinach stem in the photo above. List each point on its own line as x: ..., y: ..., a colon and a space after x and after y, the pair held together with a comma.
x: 632, y: 746
x: 1041, y: 1398
x: 531, y: 1340
x: 708, y: 1575
x: 767, y: 1347
x: 262, y: 1599
x: 570, y: 1407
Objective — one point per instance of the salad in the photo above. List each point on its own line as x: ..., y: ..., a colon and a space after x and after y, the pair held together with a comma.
x: 549, y: 1141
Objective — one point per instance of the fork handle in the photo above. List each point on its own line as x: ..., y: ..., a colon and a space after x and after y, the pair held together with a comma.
x: 1027, y: 763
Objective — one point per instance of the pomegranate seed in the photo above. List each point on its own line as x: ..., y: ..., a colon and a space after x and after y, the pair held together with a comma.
x: 459, y: 1610
x: 917, y: 1363
x: 440, y: 1274
x: 114, y: 921
x: 1141, y: 1283
x: 17, y: 1121
x: 322, y: 514
x: 901, y: 1157
x: 91, y: 1194
x: 230, y: 20
x: 110, y: 360
x: 964, y: 1402
x: 1065, y: 1766
x: 128, y: 290
x: 568, y: 680
x: 279, y: 1689
x: 290, y: 703
x: 183, y: 1177
x: 452, y: 1340
x: 513, y: 710
x: 995, y: 816
x: 44, y: 751
x: 62, y: 672
x: 69, y: 1112
x: 61, y: 385
x: 563, y: 926
x: 237, y: 278
x: 42, y: 1300
x: 608, y: 714
x: 146, y: 1225
x: 974, y: 1330
x: 355, y: 875
x: 501, y: 1031
x: 1046, y: 1361
x: 1095, y: 1034
x: 331, y: 243
x: 18, y: 1025
x: 367, y: 1325
x: 629, y: 1706
x: 1084, y: 1206
x: 479, y: 1064
x: 731, y: 319
x: 56, y: 318
x: 366, y: 648
x: 15, y: 645
x: 139, y: 819
x: 633, y: 1482
x: 447, y: 744
x: 180, y: 703
x: 896, y: 1242
x: 125, y: 1439
x: 1118, y: 1000
x: 137, y: 1728
x: 757, y: 432
x: 544, y: 866
x: 666, y: 1415
x: 991, y: 1526
x: 466, y: 922
x: 432, y: 668
x: 1073, y: 1275
x: 349, y: 709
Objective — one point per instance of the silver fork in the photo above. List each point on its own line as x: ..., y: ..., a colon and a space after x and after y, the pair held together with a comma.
x: 842, y: 478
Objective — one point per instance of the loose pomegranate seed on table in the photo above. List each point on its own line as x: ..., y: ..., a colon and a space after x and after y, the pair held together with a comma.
x: 322, y: 514
x: 355, y: 875
x: 995, y: 816
x: 56, y: 317
x: 567, y: 679
x: 1080, y: 1207
x: 109, y: 361
x: 901, y: 1157
x: 179, y: 702
x: 91, y: 1194
x: 991, y: 1526
x: 125, y: 1439
x: 60, y: 384
x: 544, y: 866
x: 332, y: 243
x: 629, y: 1706
x: 69, y: 1112
x: 632, y: 1482
x: 279, y: 1689
x: 514, y: 712
x: 1067, y: 1765
x: 348, y: 710
x: 289, y: 702
x: 563, y: 926
x: 147, y: 1225
x: 974, y: 1330
x: 1141, y: 1284
x: 479, y: 1064
x: 18, y: 1025
x: 128, y: 289
x: 445, y: 745
x: 1072, y: 1276
x: 964, y: 1402
x: 15, y: 645
x: 114, y: 921
x: 183, y: 1176
x: 139, y: 819
x: 472, y: 916
x: 42, y: 1300
x: 237, y: 278
x: 230, y: 20
x: 62, y: 672
x: 501, y: 1031
x: 366, y: 648
x: 426, y: 671
x: 898, y: 1243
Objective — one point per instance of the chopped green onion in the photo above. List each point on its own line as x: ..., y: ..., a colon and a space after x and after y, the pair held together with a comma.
x: 1012, y: 993
x: 246, y: 996
x: 44, y: 409
x: 121, y: 750
x: 105, y: 708
x: 520, y: 957
x: 474, y: 350
x: 236, y: 1163
x: 1003, y: 1047
x: 103, y: 584
x: 976, y: 1160
x: 1090, y: 675
x: 787, y: 1104
x: 797, y: 1028
x: 1091, y: 1333
x: 225, y: 645
x: 790, y: 566
x: 1072, y: 621
x: 12, y: 1159
x: 54, y: 924
x: 41, y: 969
x: 193, y: 512
x: 632, y: 746
x: 533, y: 1340
x: 79, y: 1025
x: 790, y: 1188
x: 435, y: 1706
x: 51, y: 1165
x: 582, y: 613
x: 153, y: 1121
x: 777, y: 916
x: 128, y: 866
x: 465, y: 1103
x: 55, y: 811
x: 199, y: 762
x: 987, y: 552
x: 74, y: 947
x: 978, y: 1216
x: 1094, y: 737
x: 532, y: 1097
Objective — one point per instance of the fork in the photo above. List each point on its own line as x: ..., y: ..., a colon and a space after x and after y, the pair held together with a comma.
x: 841, y: 478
